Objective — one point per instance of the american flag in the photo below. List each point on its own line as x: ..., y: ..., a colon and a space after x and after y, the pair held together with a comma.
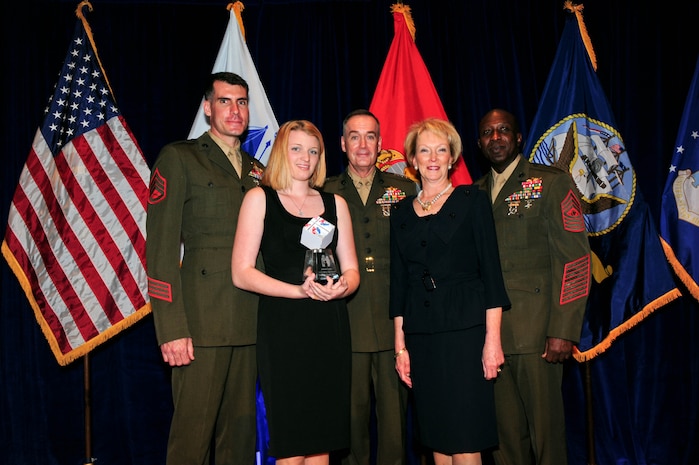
x: 76, y: 235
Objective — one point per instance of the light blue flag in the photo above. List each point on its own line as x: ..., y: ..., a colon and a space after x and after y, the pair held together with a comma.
x: 234, y: 56
x: 679, y: 220
x: 574, y: 129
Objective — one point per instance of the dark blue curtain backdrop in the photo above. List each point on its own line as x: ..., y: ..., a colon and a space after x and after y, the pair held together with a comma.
x: 318, y: 60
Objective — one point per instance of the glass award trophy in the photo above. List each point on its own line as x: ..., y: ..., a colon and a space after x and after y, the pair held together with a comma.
x: 317, y: 235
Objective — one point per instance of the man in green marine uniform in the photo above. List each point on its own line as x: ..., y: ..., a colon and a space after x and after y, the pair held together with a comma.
x: 369, y: 193
x: 206, y: 327
x: 545, y: 259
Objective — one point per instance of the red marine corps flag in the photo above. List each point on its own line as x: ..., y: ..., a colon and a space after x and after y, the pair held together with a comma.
x: 404, y: 95
x: 76, y: 235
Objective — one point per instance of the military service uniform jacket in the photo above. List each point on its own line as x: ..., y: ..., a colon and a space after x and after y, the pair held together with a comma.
x: 545, y: 256
x: 372, y: 329
x: 195, y: 197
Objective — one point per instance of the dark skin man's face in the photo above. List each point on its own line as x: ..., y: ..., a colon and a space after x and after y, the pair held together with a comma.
x: 498, y: 139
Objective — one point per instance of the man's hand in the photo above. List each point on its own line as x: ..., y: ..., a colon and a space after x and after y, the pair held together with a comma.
x: 178, y: 352
x: 557, y: 350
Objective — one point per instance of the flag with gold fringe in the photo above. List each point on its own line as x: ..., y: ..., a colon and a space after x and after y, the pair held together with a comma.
x: 234, y: 56
x: 574, y: 129
x: 679, y: 217
x: 76, y: 235
x: 405, y: 94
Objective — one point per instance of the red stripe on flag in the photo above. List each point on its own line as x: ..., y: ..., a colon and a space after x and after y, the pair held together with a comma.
x: 47, y: 314
x: 70, y: 242
x: 102, y: 235
x: 126, y: 164
x: 52, y: 267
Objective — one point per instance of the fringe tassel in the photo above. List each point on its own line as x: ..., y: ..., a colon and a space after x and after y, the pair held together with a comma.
x: 61, y: 358
x: 238, y: 7
x: 680, y: 271
x: 79, y: 14
x: 578, y: 9
x: 614, y: 334
x: 405, y: 9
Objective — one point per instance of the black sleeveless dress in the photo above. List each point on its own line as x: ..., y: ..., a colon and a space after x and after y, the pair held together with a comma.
x: 303, y: 346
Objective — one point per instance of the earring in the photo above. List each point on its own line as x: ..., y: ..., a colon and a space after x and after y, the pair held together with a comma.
x: 449, y: 165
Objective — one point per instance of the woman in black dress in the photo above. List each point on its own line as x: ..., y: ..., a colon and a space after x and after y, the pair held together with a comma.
x: 447, y: 297
x: 303, y: 339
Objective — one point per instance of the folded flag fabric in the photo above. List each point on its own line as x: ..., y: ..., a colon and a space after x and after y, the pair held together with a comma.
x: 234, y: 56
x: 679, y: 218
x: 404, y: 95
x: 574, y: 129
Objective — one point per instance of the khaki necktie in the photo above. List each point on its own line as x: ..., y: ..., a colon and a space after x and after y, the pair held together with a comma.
x: 363, y: 188
x: 498, y: 182
x: 236, y: 160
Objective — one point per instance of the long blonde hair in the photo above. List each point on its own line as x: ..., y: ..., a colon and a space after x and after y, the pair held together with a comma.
x: 277, y: 174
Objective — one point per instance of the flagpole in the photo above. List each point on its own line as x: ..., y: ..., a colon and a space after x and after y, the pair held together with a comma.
x: 589, y: 415
x: 88, y: 418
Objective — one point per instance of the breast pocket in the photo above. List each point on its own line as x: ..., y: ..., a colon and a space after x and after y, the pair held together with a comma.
x: 211, y: 201
x: 522, y: 223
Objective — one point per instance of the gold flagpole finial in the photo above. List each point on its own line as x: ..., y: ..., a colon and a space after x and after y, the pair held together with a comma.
x: 405, y: 9
x: 79, y: 14
x: 578, y: 9
x: 238, y: 8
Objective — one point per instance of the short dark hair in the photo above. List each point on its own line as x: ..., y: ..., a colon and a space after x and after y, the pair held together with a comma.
x: 361, y: 112
x: 225, y: 76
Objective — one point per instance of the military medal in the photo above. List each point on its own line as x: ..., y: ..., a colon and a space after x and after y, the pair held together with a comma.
x: 531, y: 190
x: 391, y: 196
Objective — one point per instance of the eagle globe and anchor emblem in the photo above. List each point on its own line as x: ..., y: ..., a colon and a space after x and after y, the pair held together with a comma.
x: 595, y: 156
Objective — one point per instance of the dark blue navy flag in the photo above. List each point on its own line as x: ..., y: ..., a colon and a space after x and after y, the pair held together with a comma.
x: 679, y: 219
x: 574, y: 129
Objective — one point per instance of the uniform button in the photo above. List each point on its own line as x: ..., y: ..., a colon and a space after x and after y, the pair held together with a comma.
x: 203, y: 272
x: 211, y: 184
x: 365, y: 220
x: 427, y: 303
x: 537, y: 290
x: 367, y: 235
x: 368, y: 250
x: 423, y: 243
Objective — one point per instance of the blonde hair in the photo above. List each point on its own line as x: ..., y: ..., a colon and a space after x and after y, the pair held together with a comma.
x: 436, y: 126
x: 277, y: 174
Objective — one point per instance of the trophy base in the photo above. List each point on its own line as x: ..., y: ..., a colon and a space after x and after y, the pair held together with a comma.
x: 322, y: 263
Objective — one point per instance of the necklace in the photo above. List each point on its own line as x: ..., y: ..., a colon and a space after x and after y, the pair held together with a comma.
x: 427, y: 205
x: 300, y: 209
